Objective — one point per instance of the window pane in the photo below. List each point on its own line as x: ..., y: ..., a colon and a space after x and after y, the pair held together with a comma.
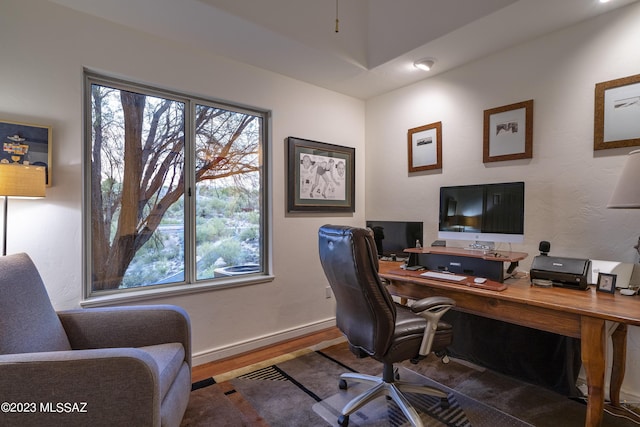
x: 176, y: 188
x: 137, y: 189
x: 228, y: 193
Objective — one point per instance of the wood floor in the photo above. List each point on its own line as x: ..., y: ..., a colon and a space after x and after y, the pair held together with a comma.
x: 217, y: 367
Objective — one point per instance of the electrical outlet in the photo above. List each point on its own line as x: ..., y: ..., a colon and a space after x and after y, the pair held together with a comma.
x: 327, y: 292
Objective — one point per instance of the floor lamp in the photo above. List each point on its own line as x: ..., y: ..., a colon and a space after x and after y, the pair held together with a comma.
x: 18, y: 180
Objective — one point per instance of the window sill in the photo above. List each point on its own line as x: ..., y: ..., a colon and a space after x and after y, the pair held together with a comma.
x: 168, y: 291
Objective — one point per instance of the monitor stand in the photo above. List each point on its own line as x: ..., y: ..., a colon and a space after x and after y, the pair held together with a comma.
x: 479, y: 263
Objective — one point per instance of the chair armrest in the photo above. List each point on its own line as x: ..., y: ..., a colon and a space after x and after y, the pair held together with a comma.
x: 80, y: 387
x: 432, y: 304
x: 432, y: 309
x: 115, y: 327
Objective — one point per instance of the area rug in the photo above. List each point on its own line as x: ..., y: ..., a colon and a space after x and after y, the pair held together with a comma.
x: 303, y: 391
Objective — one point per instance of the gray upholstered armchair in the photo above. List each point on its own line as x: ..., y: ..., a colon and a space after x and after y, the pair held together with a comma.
x: 95, y: 367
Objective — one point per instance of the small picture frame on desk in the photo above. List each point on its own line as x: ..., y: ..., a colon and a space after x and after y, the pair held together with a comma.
x: 606, y: 283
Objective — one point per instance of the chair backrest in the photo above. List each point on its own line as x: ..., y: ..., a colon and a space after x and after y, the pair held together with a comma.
x: 365, y: 312
x: 28, y: 322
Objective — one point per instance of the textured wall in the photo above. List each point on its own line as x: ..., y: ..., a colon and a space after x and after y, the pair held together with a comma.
x: 41, y: 82
x: 567, y: 184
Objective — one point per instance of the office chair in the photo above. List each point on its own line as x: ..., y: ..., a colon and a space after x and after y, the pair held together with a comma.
x: 374, y: 324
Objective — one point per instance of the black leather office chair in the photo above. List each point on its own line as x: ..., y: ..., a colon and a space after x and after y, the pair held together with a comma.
x: 374, y: 324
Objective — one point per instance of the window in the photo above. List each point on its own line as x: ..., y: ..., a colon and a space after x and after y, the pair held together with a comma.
x: 175, y: 189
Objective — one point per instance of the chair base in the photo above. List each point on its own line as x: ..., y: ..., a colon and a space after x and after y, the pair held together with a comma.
x: 392, y: 389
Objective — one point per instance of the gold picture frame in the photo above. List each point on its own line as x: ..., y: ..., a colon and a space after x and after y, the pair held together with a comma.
x: 425, y: 147
x: 508, y: 132
x: 616, y: 123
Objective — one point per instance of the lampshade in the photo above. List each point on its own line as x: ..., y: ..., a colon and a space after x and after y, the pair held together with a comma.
x: 626, y: 194
x: 18, y: 180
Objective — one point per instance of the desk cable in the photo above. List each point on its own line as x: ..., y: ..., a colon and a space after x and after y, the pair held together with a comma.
x: 623, y: 407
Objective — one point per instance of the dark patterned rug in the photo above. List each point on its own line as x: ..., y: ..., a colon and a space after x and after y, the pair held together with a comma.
x: 303, y: 391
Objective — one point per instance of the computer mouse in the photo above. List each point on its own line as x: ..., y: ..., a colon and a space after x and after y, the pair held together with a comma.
x: 479, y: 280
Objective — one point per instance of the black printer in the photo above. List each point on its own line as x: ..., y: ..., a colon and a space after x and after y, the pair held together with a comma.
x: 564, y: 272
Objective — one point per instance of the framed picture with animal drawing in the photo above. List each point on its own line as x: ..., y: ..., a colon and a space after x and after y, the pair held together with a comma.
x: 321, y: 176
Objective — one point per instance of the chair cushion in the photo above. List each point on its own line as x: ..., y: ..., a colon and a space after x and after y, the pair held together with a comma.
x: 169, y: 358
x: 28, y: 322
x: 408, y: 334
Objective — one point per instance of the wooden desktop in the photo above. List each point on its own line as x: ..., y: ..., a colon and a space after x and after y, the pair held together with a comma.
x: 569, y: 312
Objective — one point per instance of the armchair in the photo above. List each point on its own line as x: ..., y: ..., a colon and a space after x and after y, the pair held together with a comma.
x: 88, y: 367
x: 375, y: 325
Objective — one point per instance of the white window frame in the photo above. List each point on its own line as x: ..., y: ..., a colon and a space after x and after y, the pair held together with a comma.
x: 189, y: 285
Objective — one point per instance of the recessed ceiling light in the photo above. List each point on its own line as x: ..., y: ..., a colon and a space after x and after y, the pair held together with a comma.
x: 425, y: 63
x: 604, y: 1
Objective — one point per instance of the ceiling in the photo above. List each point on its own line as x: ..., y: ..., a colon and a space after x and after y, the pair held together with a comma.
x: 376, y: 45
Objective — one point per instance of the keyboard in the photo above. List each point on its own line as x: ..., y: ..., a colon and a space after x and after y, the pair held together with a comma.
x: 443, y: 276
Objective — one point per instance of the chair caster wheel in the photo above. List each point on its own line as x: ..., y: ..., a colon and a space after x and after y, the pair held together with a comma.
x: 343, y: 420
x: 342, y: 384
x: 444, y: 403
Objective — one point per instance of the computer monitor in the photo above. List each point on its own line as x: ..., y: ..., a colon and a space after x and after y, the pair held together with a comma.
x: 482, y: 212
x: 393, y: 237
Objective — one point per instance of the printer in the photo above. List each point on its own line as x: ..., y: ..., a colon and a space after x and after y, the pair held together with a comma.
x: 564, y: 272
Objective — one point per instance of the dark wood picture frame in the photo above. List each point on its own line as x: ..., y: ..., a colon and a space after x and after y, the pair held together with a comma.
x: 606, y: 283
x: 425, y: 147
x: 321, y: 176
x: 508, y: 132
x: 26, y: 144
x: 615, y: 123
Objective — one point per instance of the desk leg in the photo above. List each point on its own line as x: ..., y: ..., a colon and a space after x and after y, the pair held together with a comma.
x: 593, y: 358
x: 619, y: 341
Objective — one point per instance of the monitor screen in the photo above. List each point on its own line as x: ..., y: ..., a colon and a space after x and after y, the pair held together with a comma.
x: 482, y: 212
x: 393, y: 237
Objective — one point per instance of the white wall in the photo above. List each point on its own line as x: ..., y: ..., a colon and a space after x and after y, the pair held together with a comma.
x: 44, y: 48
x: 567, y: 184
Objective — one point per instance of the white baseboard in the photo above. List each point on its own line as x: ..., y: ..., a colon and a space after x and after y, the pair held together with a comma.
x: 625, y: 396
x: 230, y: 350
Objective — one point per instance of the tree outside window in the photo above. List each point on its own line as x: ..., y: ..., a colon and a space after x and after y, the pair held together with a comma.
x: 175, y: 186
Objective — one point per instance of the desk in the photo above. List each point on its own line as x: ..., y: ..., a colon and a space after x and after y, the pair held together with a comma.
x: 569, y: 312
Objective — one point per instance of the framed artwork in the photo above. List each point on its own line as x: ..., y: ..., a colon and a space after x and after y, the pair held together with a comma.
x: 617, y: 113
x: 606, y: 283
x: 321, y: 177
x: 425, y: 147
x: 508, y: 132
x: 26, y: 144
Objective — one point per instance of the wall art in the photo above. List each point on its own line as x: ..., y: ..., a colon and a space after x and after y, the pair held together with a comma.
x: 617, y: 113
x: 26, y: 144
x: 321, y: 177
x: 508, y: 132
x: 425, y: 147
